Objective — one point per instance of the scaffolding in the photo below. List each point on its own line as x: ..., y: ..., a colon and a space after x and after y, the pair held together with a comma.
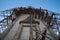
x: 49, y: 18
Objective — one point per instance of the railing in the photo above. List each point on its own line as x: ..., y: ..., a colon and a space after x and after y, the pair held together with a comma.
x: 6, y: 22
x: 51, y: 19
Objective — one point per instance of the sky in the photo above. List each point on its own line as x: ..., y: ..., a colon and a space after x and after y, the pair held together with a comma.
x: 51, y: 5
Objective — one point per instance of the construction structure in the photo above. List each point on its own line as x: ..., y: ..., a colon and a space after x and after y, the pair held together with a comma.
x: 29, y: 24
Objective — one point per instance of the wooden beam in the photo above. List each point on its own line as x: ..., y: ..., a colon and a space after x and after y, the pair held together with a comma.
x: 18, y: 32
x: 37, y: 32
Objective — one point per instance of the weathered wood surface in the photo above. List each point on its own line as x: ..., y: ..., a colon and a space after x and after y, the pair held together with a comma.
x: 18, y: 32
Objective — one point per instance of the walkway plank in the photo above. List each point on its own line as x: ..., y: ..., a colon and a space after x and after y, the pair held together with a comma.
x: 25, y: 33
x: 15, y: 27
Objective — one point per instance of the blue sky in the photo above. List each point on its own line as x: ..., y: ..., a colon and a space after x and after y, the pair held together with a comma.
x: 52, y: 5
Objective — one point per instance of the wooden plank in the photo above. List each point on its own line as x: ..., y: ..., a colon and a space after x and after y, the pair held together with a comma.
x: 18, y: 32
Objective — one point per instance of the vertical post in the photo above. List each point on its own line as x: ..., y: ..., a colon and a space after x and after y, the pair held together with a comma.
x: 4, y: 15
x: 44, y: 33
x: 7, y: 18
x: 31, y: 32
x: 39, y: 15
x: 34, y: 15
x: 50, y: 19
x: 37, y: 33
x: 46, y: 15
x: 12, y: 17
